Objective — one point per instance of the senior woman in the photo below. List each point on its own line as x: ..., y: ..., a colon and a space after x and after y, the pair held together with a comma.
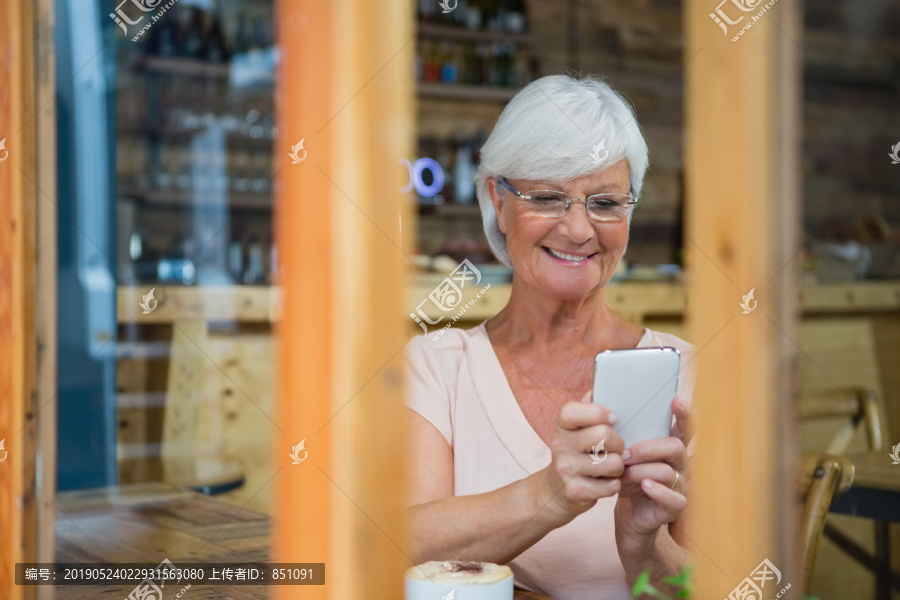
x: 502, y: 421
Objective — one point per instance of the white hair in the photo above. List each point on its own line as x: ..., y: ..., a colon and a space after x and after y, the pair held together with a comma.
x: 548, y: 132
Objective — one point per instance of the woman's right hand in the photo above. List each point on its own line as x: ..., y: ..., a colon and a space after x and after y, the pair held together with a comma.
x: 578, y: 476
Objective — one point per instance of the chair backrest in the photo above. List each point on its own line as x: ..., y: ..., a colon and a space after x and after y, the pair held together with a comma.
x: 857, y: 405
x: 823, y: 477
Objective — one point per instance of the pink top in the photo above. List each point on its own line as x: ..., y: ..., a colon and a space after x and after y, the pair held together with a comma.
x: 457, y: 384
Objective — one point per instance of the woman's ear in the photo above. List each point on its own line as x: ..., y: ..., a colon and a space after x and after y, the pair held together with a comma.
x: 498, y: 203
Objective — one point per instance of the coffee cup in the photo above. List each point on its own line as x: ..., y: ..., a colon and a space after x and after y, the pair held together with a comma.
x: 458, y: 580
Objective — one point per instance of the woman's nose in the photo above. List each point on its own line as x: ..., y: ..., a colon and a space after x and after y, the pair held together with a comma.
x: 577, y: 223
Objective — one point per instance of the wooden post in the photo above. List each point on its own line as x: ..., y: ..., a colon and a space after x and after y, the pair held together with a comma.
x: 742, y: 224
x: 345, y: 89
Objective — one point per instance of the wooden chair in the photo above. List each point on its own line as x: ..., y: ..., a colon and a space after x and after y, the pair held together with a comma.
x: 823, y: 477
x: 856, y: 405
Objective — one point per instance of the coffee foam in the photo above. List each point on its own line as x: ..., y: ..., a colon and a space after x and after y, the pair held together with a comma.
x: 459, y: 572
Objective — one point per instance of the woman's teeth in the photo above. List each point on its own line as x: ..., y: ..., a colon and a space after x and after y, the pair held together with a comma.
x: 564, y: 256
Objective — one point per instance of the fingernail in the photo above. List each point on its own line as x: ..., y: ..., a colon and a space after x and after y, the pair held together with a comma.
x: 626, y: 455
x: 611, y: 418
x: 647, y: 484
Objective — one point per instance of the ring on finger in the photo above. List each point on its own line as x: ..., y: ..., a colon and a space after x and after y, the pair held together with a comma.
x: 674, y: 483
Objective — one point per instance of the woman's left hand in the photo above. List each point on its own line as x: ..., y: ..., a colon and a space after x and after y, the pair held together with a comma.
x: 655, y: 482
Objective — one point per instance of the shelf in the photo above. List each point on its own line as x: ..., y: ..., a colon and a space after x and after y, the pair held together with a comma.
x: 250, y: 71
x: 183, y: 66
x: 451, y: 210
x: 448, y: 91
x: 170, y: 133
x: 436, y: 30
x: 188, y: 198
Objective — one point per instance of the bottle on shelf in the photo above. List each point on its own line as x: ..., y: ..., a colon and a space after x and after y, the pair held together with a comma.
x: 428, y: 10
x: 517, y: 20
x: 259, y: 35
x: 495, y: 66
x: 458, y: 16
x: 215, y: 47
x: 273, y: 274
x: 503, y: 15
x: 241, y: 37
x: 482, y: 63
x: 463, y: 172
x: 450, y: 65
x: 432, y: 62
x: 167, y: 37
x: 253, y: 275
x: 505, y: 60
x: 521, y: 70
x: 468, y: 64
x: 418, y: 65
x: 236, y: 259
x: 445, y: 157
x: 473, y: 17
x: 191, y: 45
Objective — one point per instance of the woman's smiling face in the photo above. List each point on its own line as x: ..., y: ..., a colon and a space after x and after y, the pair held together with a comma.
x: 572, y: 255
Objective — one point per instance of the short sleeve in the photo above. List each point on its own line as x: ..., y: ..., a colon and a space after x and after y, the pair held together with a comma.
x: 687, y: 377
x: 427, y: 390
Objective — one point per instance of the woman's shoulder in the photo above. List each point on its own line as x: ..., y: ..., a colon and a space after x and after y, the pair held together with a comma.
x: 657, y: 339
x: 448, y: 344
x: 687, y: 372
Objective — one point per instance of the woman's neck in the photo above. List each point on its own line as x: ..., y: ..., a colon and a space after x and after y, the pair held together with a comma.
x: 535, y: 317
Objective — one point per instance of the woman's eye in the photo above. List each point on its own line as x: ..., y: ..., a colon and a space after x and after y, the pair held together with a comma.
x: 546, y: 198
x: 605, y: 203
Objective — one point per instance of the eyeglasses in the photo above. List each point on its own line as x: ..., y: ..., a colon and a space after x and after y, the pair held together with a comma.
x: 555, y: 204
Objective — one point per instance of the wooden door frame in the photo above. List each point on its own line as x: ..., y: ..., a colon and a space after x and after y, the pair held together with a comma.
x: 27, y: 290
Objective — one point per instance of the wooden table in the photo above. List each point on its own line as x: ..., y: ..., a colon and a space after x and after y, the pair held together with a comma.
x: 153, y: 521
x: 875, y: 494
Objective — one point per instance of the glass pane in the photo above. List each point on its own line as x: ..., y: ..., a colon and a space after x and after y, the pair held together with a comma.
x: 167, y: 278
x: 472, y: 59
x: 851, y: 136
x: 851, y: 266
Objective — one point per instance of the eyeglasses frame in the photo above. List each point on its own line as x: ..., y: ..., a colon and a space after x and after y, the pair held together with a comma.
x: 569, y: 199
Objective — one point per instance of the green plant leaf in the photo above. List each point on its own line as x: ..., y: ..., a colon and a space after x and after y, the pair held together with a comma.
x: 640, y: 585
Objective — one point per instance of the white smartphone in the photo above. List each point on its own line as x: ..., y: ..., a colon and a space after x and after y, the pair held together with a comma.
x: 638, y: 385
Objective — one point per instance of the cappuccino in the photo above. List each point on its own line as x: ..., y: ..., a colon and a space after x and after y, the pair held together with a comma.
x: 468, y: 580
